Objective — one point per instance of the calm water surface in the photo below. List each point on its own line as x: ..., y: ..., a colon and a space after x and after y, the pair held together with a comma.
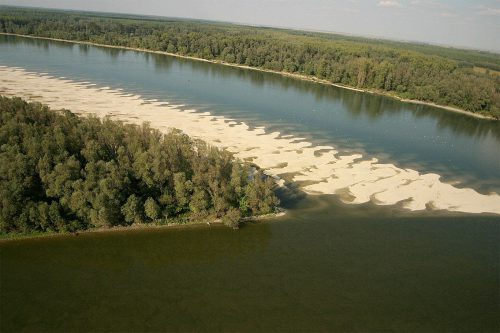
x: 325, y: 266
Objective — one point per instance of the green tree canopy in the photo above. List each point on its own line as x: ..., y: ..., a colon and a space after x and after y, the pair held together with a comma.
x: 59, y: 172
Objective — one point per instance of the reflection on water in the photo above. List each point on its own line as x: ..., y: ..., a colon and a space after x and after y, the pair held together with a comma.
x: 84, y: 49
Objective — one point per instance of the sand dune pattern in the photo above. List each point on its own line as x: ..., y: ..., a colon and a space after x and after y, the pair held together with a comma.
x: 320, y: 169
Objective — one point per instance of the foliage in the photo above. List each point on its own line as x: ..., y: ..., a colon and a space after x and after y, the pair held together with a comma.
x: 59, y: 172
x: 232, y: 218
x: 445, y: 76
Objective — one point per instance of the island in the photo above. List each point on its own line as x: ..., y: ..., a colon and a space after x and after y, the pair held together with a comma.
x: 64, y: 173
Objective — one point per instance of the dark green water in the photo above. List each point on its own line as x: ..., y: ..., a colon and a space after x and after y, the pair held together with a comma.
x: 323, y: 267
x: 319, y: 269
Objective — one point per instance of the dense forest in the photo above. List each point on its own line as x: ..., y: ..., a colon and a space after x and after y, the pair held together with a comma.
x: 60, y: 173
x: 466, y: 79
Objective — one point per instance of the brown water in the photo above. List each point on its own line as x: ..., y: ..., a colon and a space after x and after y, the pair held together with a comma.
x: 323, y: 267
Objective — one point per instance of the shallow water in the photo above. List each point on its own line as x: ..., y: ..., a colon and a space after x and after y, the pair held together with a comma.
x: 324, y: 266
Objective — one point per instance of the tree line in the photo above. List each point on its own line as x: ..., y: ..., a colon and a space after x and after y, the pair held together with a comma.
x: 63, y: 173
x: 427, y: 73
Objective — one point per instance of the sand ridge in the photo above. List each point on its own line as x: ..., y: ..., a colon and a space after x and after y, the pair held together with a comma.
x: 322, y: 168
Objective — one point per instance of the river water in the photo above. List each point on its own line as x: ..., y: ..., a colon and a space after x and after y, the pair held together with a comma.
x: 324, y: 266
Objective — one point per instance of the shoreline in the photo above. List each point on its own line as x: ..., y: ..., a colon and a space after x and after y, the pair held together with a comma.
x: 17, y: 237
x: 143, y: 226
x: 286, y: 74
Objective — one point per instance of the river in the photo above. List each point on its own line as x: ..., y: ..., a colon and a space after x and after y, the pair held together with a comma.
x: 325, y: 266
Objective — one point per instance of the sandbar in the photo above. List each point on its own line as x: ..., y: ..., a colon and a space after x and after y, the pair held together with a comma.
x: 322, y: 168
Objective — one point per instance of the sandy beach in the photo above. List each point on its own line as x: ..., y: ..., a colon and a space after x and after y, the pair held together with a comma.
x: 322, y: 168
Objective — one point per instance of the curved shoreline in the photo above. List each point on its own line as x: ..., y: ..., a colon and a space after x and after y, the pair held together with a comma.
x: 286, y: 74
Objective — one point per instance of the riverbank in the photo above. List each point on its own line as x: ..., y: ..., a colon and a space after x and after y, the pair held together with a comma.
x: 286, y: 74
x: 23, y: 236
x: 140, y: 226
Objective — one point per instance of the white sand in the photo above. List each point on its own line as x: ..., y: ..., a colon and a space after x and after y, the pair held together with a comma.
x: 326, y: 171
